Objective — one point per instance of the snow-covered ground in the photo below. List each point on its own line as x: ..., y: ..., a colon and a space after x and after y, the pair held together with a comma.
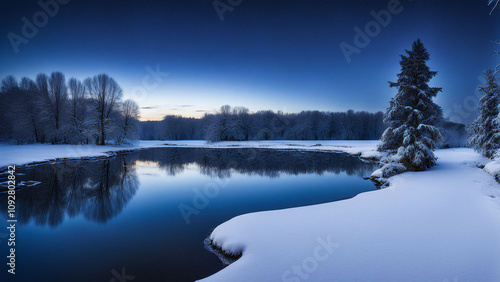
x: 438, y: 225
x: 25, y: 154
x: 493, y: 168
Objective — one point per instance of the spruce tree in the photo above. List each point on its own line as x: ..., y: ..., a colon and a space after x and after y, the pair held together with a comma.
x: 484, y: 131
x: 412, y: 116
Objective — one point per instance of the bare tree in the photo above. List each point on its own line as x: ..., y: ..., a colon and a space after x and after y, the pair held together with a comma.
x: 9, y: 92
x: 42, y: 83
x: 105, y: 94
x: 241, y: 122
x: 130, y: 113
x: 58, y: 93
x: 9, y: 83
x: 53, y: 97
x: 493, y: 3
x: 43, y: 105
x: 30, y: 109
x: 77, y: 110
x: 20, y: 113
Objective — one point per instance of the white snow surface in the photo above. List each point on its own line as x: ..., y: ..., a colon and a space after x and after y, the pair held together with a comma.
x: 25, y: 154
x: 493, y: 168
x: 439, y: 225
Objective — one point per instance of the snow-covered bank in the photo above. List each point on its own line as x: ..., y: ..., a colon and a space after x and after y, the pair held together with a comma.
x: 25, y: 154
x: 33, y: 153
x: 493, y: 168
x: 438, y: 225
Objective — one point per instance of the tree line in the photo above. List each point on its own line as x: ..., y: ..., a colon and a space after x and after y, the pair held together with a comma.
x: 485, y: 130
x: 51, y: 109
x: 238, y: 124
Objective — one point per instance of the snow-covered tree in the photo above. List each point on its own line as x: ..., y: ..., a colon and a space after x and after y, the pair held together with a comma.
x: 485, y: 131
x: 301, y: 130
x: 10, y: 108
x: 29, y: 115
x: 241, y: 123
x: 77, y: 112
x: 412, y: 115
x: 217, y: 125
x: 130, y: 120
x: 105, y: 94
x: 227, y: 124
x: 57, y: 102
x: 42, y: 83
x: 24, y: 110
x: 42, y: 111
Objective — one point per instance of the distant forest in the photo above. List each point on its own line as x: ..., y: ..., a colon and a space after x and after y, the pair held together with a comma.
x: 51, y: 109
x: 238, y: 124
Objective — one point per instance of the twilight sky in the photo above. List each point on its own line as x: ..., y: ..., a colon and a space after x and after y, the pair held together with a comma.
x: 278, y: 55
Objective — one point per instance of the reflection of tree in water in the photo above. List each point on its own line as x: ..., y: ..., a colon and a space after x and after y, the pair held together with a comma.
x: 98, y: 190
x: 115, y: 186
x: 263, y: 162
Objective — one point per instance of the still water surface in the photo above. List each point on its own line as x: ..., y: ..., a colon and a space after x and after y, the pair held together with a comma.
x: 90, y: 220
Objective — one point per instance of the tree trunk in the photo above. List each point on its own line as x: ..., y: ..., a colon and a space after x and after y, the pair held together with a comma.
x: 102, y: 130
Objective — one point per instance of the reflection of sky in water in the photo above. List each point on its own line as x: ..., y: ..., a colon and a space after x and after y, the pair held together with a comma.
x: 135, y: 222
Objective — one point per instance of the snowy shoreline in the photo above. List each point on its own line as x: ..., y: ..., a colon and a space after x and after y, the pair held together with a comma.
x: 33, y: 154
x: 439, y: 225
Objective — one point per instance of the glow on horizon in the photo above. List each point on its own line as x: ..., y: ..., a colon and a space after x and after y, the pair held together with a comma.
x: 195, y: 100
x: 152, y: 109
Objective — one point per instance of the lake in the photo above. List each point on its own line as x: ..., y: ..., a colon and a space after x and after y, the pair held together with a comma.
x: 146, y: 213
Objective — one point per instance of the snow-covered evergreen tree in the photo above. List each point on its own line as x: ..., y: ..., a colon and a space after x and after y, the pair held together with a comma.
x: 412, y: 115
x: 484, y: 131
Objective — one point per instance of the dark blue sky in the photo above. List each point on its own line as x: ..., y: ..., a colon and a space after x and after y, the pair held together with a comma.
x: 279, y: 55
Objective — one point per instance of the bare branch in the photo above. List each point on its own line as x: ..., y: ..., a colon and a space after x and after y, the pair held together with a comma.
x: 494, y: 3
